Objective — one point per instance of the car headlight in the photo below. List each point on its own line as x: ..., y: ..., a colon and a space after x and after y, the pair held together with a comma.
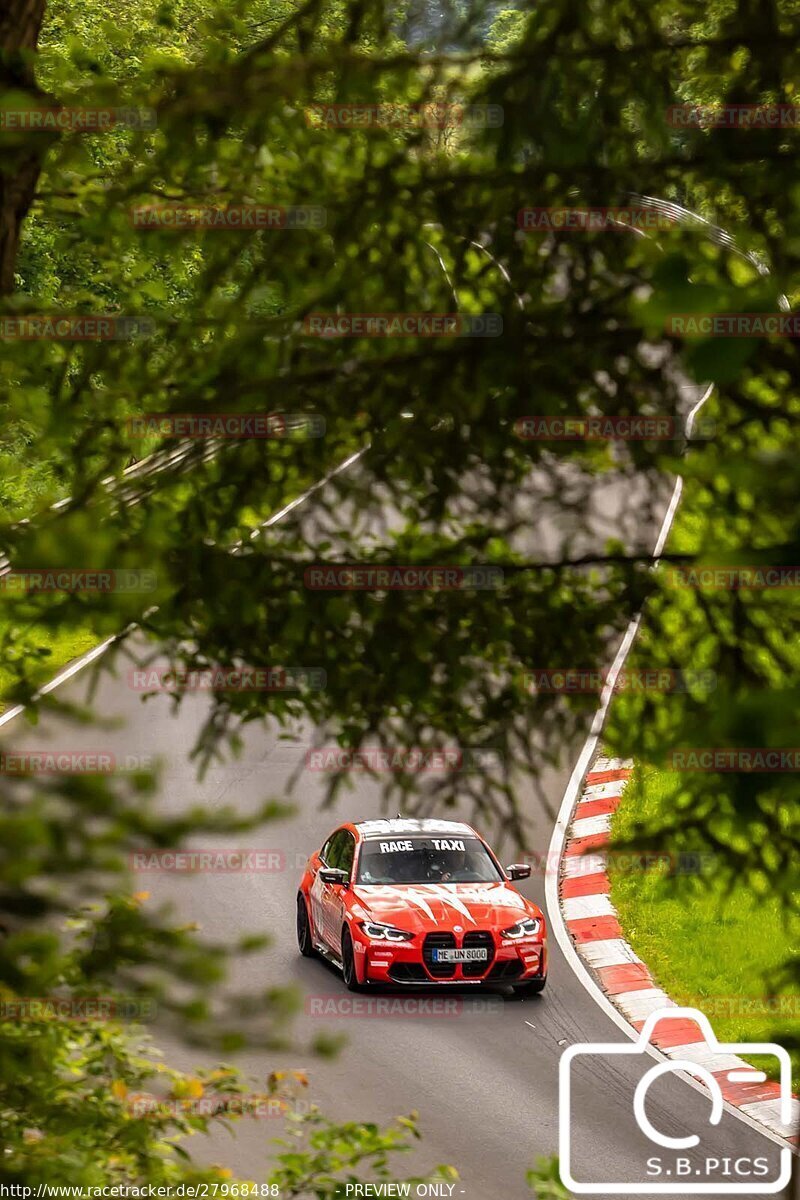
x: 384, y: 933
x: 529, y: 927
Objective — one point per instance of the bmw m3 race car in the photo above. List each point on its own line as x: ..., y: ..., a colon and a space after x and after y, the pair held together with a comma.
x: 419, y: 902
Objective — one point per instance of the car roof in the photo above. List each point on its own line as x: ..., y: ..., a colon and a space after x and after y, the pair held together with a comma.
x: 423, y: 827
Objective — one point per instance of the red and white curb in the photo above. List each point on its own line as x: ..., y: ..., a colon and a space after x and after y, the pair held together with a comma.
x: 593, y: 925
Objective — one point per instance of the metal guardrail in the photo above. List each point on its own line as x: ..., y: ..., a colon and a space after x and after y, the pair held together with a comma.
x: 178, y: 459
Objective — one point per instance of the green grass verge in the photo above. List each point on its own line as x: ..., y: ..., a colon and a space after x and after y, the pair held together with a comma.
x: 49, y: 650
x: 57, y: 648
x: 721, y: 953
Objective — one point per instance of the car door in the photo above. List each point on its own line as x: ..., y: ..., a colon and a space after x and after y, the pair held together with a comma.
x: 333, y: 899
x: 317, y: 891
x: 326, y: 907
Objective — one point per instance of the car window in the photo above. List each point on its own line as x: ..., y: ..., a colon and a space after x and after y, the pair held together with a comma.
x: 336, y: 847
x: 326, y: 849
x: 347, y: 854
x: 426, y: 860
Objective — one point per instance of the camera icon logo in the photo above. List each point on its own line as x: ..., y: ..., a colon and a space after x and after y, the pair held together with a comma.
x: 675, y: 1171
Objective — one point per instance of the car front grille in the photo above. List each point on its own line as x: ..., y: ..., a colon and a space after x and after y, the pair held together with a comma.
x: 438, y: 941
x: 474, y: 940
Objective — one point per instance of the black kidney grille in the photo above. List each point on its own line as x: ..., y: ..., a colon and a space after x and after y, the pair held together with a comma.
x: 438, y: 941
x: 473, y: 941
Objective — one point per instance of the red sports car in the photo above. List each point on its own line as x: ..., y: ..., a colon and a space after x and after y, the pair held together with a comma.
x: 419, y: 902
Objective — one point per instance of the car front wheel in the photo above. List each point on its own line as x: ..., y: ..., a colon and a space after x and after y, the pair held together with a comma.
x: 304, y: 942
x: 349, y: 963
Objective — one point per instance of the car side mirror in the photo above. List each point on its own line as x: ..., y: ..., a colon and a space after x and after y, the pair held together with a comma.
x: 518, y: 871
x: 334, y: 875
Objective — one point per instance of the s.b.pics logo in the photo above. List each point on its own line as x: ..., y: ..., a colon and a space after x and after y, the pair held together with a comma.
x: 676, y: 1158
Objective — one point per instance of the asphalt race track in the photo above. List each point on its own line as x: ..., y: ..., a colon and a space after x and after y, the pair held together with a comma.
x: 484, y: 1078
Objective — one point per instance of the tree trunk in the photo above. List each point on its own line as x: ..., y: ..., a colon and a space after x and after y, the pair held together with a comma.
x: 20, y: 162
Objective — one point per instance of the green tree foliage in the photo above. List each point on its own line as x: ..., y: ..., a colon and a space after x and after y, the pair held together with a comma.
x: 584, y: 92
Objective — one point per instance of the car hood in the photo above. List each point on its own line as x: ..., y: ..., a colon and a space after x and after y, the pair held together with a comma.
x: 422, y: 907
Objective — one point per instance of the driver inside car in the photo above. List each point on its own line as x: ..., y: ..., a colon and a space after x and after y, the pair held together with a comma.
x: 458, y: 869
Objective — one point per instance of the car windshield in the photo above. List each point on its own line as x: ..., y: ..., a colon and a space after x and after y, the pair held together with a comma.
x: 426, y: 860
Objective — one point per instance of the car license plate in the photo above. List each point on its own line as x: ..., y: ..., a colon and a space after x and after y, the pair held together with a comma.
x: 458, y: 956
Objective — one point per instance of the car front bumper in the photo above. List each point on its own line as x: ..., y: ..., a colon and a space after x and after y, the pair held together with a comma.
x: 411, y: 964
